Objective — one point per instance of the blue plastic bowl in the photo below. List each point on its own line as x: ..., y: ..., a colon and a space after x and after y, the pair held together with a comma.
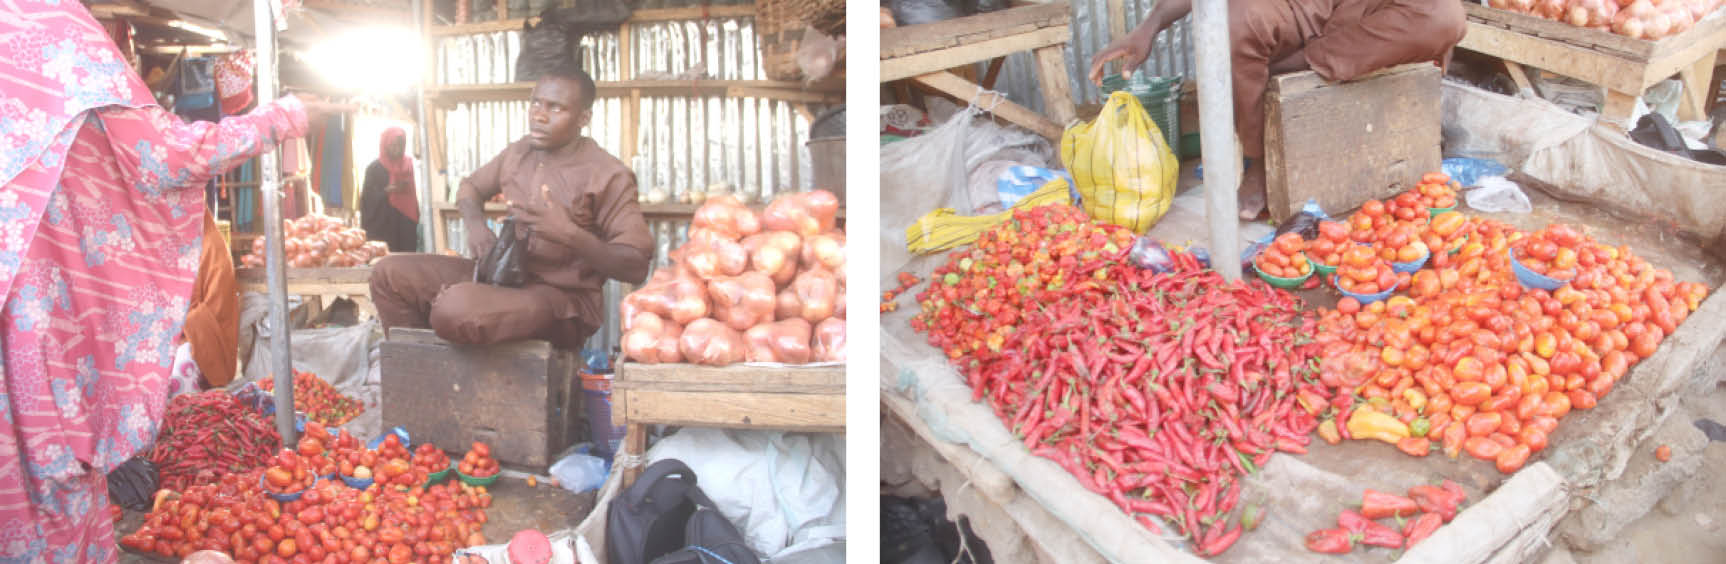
x: 1531, y: 279
x: 1413, y: 265
x: 400, y: 433
x: 357, y: 483
x: 284, y: 498
x: 1364, y: 298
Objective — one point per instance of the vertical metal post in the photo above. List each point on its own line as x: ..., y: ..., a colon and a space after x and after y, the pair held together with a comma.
x: 1221, y: 150
x: 275, y: 267
x: 422, y: 166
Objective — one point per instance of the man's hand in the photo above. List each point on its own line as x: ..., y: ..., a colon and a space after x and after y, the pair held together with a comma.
x: 1132, y: 50
x: 550, y: 220
x: 480, y: 240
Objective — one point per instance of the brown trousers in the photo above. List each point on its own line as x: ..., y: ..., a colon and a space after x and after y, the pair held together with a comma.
x: 1342, y: 39
x: 437, y: 292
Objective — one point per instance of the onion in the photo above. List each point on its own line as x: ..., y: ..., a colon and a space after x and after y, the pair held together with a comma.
x: 818, y: 290
x: 1659, y: 25
x: 759, y: 340
x: 1578, y: 16
x: 787, y: 305
x: 641, y: 345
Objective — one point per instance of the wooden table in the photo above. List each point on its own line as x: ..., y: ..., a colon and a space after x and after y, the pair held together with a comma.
x: 353, y: 283
x: 925, y: 52
x: 1624, y: 66
x: 735, y: 397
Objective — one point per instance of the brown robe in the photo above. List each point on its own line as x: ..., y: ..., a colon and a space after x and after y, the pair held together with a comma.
x: 1343, y: 40
x: 562, y: 300
x: 213, y: 318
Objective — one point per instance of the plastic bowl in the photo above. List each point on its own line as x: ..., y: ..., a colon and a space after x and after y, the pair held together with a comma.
x: 1531, y: 279
x: 473, y: 481
x: 284, y: 498
x: 1284, y: 283
x: 400, y: 433
x: 1364, y: 298
x: 440, y: 476
x: 1435, y: 211
x: 1322, y: 268
x: 357, y: 483
x: 1413, y: 265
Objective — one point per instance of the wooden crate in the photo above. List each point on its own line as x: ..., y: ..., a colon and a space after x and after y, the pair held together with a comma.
x: 1345, y: 143
x: 522, y: 398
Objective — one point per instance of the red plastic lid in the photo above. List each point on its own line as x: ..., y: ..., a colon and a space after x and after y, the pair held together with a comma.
x: 530, y: 547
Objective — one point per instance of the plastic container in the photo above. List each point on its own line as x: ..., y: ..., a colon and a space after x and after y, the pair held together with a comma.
x: 473, y: 481
x: 1161, y: 97
x: 1433, y: 212
x: 441, y: 475
x: 1284, y: 283
x: 284, y: 498
x: 1364, y: 298
x: 401, y: 434
x: 1322, y: 269
x: 357, y: 483
x: 596, y: 392
x: 1531, y: 279
x: 1413, y: 265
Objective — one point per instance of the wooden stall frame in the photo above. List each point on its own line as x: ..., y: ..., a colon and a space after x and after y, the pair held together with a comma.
x: 1624, y: 66
x: 925, y: 53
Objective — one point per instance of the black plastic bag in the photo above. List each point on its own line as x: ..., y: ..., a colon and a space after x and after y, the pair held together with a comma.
x: 543, y: 47
x: 502, y: 265
x: 133, y: 484
x: 1654, y: 131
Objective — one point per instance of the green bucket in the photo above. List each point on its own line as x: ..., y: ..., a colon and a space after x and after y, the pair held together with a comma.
x: 1161, y: 97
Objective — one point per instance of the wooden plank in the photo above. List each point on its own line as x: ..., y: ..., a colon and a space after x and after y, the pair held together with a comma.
x: 1619, y: 106
x: 1057, y: 92
x: 957, y: 87
x: 311, y: 281
x: 1677, y: 53
x: 737, y: 377
x: 904, y: 41
x: 1698, y: 82
x: 1117, y: 19
x: 639, y: 16
x: 927, y: 62
x: 785, y: 412
x: 1636, y: 49
x: 1520, y: 77
x: 1346, y: 143
x: 772, y: 89
x: 516, y: 398
x: 1614, y: 73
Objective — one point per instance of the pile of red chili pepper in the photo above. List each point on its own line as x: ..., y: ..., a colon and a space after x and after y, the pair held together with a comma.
x: 1158, y: 391
x: 319, y: 400
x: 1420, y: 514
x: 208, y: 435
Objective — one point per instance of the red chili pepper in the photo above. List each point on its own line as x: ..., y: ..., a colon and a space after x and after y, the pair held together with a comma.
x: 1330, y: 541
x: 1378, y: 505
x: 1222, y: 542
x: 1421, y: 527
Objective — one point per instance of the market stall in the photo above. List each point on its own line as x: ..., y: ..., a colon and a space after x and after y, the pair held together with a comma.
x: 1073, y: 377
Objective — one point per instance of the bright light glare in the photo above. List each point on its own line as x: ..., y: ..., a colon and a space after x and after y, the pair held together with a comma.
x: 215, y: 34
x: 377, y: 60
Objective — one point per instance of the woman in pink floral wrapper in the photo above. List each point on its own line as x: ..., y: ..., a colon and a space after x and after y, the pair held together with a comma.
x: 100, y: 219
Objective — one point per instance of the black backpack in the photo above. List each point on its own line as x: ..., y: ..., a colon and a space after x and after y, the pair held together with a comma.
x: 664, y: 518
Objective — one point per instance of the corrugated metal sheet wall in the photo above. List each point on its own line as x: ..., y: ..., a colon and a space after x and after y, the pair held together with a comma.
x: 1172, y: 55
x: 684, y: 143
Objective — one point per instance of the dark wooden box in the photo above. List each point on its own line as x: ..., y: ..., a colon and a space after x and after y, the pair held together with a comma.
x: 1346, y: 143
x: 522, y: 398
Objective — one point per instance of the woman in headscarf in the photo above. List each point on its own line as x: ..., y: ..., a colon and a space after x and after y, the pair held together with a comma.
x: 101, y: 210
x: 389, y: 205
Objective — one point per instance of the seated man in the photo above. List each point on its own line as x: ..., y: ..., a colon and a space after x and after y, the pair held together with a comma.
x: 1339, y: 39
x: 580, y: 203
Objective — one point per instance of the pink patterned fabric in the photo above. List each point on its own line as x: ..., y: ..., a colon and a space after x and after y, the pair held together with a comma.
x: 99, y: 246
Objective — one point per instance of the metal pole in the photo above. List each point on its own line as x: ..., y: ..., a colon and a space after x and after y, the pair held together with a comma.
x: 422, y: 168
x: 1221, y: 150
x: 275, y: 268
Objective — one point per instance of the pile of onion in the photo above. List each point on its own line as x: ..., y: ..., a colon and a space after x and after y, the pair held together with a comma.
x: 1637, y: 19
x: 747, y: 287
x: 318, y: 241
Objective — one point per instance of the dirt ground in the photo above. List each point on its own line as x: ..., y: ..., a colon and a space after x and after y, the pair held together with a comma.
x: 1684, y: 528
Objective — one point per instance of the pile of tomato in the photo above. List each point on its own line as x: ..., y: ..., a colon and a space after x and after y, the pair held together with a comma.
x: 319, y: 400
x: 478, y: 462
x: 329, y: 523
x: 288, y: 473
x: 430, y: 459
x: 1470, y: 360
x: 1285, y: 257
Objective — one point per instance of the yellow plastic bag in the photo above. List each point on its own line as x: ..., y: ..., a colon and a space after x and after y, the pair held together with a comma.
x: 1123, y: 169
x: 944, y: 228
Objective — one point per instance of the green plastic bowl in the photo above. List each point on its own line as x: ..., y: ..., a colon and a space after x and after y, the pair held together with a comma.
x: 437, y: 477
x: 1435, y: 211
x: 1284, y: 283
x: 1321, y: 268
x: 472, y: 481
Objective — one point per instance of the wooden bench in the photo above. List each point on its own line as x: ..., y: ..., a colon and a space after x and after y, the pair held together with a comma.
x: 736, y: 397
x: 321, y: 283
x: 1624, y: 66
x: 1345, y: 143
x: 924, y: 53
x: 523, y: 398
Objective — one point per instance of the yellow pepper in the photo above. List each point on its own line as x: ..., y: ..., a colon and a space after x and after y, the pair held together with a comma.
x: 1416, y: 399
x: 1369, y: 424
